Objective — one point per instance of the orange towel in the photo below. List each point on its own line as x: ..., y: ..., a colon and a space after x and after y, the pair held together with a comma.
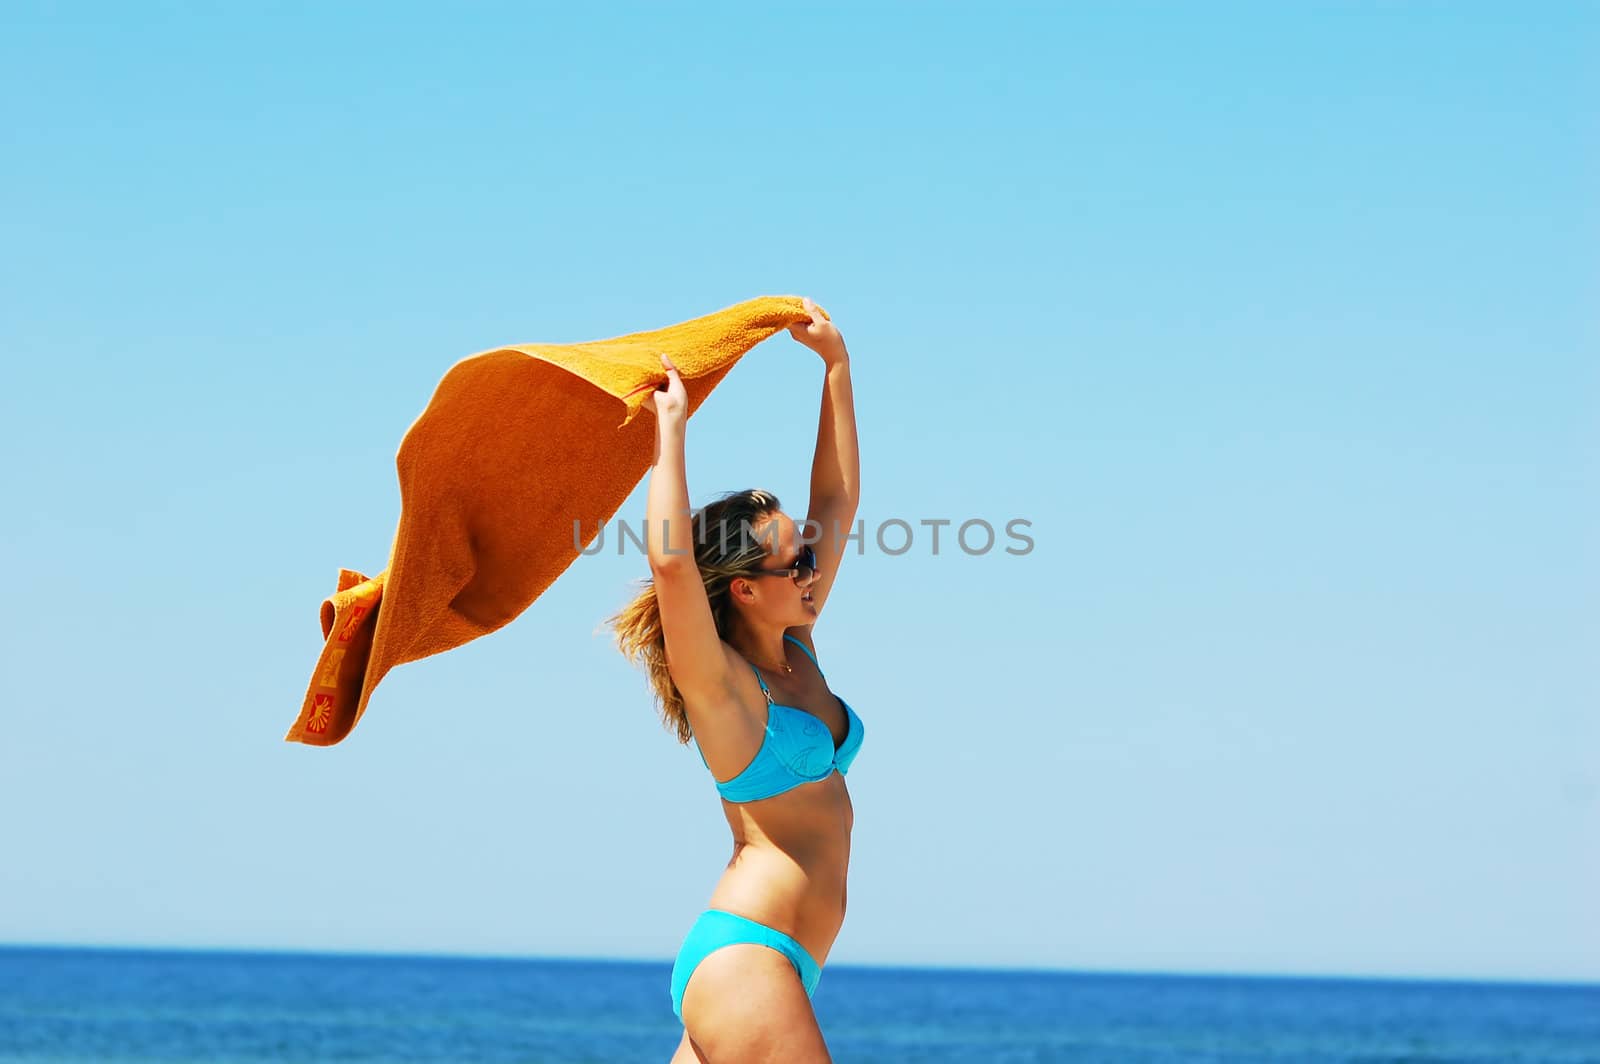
x: 516, y: 444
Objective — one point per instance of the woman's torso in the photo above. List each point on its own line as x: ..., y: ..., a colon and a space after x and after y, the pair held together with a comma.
x: 791, y: 851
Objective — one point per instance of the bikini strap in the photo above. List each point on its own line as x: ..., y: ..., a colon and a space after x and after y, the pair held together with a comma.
x: 807, y: 649
x: 762, y: 682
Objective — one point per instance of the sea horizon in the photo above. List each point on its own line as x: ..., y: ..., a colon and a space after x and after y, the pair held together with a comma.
x: 133, y: 1004
x: 887, y: 966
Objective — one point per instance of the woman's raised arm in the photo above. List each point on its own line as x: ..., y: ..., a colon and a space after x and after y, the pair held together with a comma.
x: 696, y: 659
x: 836, y: 466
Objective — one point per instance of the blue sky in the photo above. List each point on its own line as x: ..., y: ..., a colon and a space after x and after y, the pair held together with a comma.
x: 1277, y: 322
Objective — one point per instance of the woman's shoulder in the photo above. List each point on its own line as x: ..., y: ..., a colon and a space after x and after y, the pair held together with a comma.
x: 725, y: 727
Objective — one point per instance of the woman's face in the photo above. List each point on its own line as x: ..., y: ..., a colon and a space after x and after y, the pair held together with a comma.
x: 778, y: 599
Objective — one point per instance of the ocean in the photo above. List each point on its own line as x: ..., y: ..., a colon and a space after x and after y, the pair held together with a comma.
x: 86, y: 1006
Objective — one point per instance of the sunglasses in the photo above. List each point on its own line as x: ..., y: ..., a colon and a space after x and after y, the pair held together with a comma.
x: 804, y: 569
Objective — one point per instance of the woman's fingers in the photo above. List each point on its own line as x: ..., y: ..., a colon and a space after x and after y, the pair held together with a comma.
x: 673, y: 381
x: 819, y: 334
x: 671, y: 398
x: 801, y: 330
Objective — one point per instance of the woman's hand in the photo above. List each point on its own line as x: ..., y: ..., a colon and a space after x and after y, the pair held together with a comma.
x: 820, y: 335
x: 672, y: 402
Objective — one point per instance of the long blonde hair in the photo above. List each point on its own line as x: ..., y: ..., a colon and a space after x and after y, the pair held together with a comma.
x: 724, y: 547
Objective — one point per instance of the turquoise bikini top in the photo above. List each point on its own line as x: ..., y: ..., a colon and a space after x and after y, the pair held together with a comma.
x: 798, y: 748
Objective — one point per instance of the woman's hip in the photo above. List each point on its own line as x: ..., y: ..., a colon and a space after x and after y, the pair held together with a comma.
x: 716, y: 928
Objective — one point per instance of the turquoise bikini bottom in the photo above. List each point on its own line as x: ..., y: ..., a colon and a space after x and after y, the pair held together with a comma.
x: 716, y: 928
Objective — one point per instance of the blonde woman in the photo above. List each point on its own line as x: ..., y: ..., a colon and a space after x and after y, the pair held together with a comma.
x: 724, y: 628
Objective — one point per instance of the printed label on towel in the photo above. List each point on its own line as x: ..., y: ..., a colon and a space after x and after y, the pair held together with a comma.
x: 356, y: 613
x: 330, y: 673
x: 321, y: 714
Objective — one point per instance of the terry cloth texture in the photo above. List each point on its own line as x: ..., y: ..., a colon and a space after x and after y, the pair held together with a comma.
x: 515, y: 445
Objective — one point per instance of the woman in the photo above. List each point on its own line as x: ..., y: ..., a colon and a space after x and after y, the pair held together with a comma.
x: 725, y: 630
